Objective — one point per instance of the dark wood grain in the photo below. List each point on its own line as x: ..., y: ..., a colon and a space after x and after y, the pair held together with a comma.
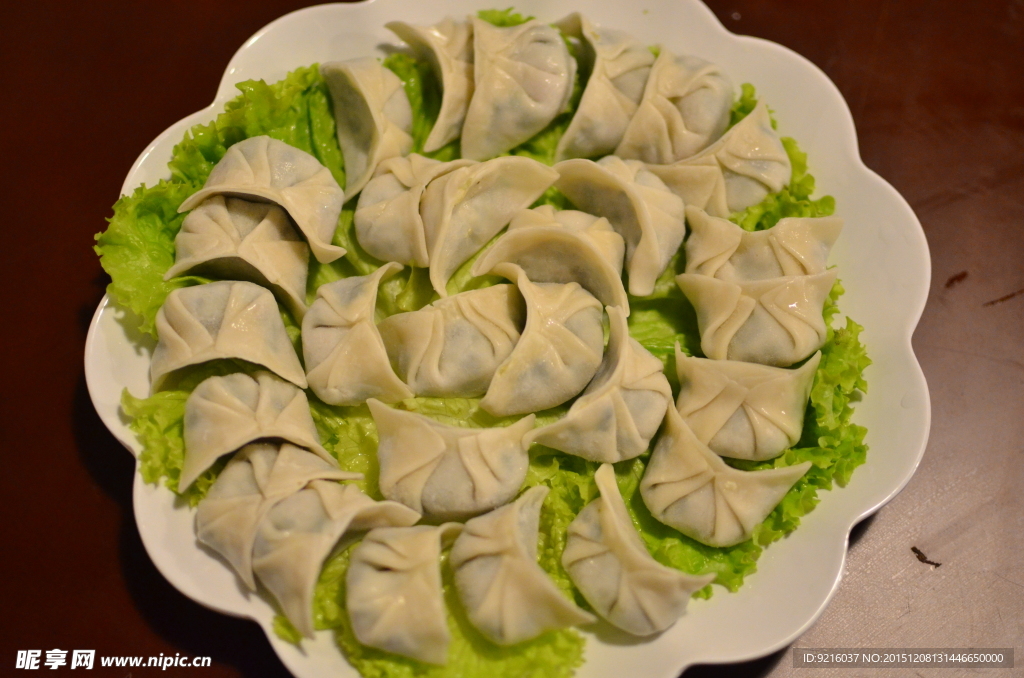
x: 937, y: 93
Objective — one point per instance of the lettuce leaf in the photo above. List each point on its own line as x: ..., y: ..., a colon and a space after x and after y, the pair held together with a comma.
x: 503, y: 17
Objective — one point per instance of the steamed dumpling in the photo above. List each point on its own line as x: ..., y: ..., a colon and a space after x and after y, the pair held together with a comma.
x: 224, y: 413
x: 618, y: 65
x: 685, y: 107
x: 372, y: 114
x: 609, y: 564
x: 523, y: 78
x: 690, y: 488
x: 452, y: 347
x: 772, y: 322
x: 745, y: 165
x: 462, y: 210
x: 393, y: 591
x: 268, y: 169
x: 562, y: 247
x: 295, y: 537
x: 223, y: 320
x: 558, y: 353
x: 621, y: 409
x: 346, y: 361
x: 255, y: 479
x: 387, y: 219
x: 448, y: 47
x: 507, y: 595
x: 241, y: 240
x: 637, y: 204
x: 448, y: 472
x: 794, y: 246
x: 744, y: 410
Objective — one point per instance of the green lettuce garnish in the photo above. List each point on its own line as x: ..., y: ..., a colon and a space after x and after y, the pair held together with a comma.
x: 503, y: 18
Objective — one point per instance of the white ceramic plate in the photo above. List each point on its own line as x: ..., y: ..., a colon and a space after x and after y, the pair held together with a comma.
x: 882, y: 258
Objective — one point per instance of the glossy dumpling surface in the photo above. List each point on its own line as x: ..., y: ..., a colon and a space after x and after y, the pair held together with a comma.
x: 609, y: 564
x: 268, y: 169
x: 223, y: 320
x: 620, y: 410
x: 372, y: 115
x: 448, y: 472
x: 346, y: 361
x: 523, y: 78
x: 744, y: 410
x: 772, y: 322
x: 453, y: 347
x: 507, y: 595
x: 394, y: 596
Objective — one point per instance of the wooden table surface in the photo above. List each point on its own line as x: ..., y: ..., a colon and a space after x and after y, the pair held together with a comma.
x: 937, y: 93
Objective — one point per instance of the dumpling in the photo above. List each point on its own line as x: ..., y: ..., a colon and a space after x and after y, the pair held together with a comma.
x: 452, y: 347
x: 448, y: 472
x: 224, y: 413
x: 372, y: 114
x: 393, y: 591
x: 558, y: 353
x: 689, y: 487
x: 448, y: 47
x: 222, y: 320
x: 750, y: 158
x: 241, y: 240
x: 772, y: 322
x: 268, y: 169
x: 387, y: 219
x: 618, y: 65
x: 255, y: 479
x: 507, y: 595
x: 621, y: 409
x: 685, y: 107
x: 462, y: 210
x: 699, y: 182
x: 794, y: 246
x: 609, y: 564
x: 562, y: 247
x: 523, y: 78
x: 346, y: 361
x: 295, y: 537
x: 744, y: 410
x: 637, y: 204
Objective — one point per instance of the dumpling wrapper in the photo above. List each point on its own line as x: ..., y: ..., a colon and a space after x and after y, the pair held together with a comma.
x: 448, y: 47
x: 257, y: 477
x: 507, y: 596
x: 558, y: 352
x: 735, y: 172
x: 744, y: 410
x: 295, y: 537
x: 448, y: 472
x: 452, y: 347
x: 620, y: 410
x: 387, y: 219
x: 562, y: 247
x: 794, y: 246
x: 223, y: 320
x: 609, y: 564
x: 372, y: 115
x: 346, y: 361
x: 268, y: 169
x: 523, y: 78
x: 689, y: 487
x: 639, y: 207
x: 686, y: 106
x: 619, y: 66
x: 240, y: 240
x: 224, y: 413
x: 771, y: 322
x: 394, y: 596
x: 462, y: 210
